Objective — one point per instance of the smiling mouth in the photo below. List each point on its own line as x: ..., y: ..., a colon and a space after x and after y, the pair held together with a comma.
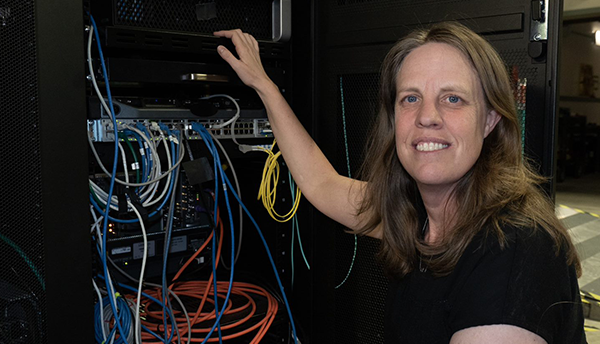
x: 430, y: 146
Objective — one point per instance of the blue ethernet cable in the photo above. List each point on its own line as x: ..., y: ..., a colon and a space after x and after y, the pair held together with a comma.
x: 217, y: 164
x: 112, y: 180
x: 100, y: 210
x: 124, y: 316
x: 208, y: 140
x: 269, y: 255
x: 168, y: 233
x: 213, y: 150
x: 160, y: 304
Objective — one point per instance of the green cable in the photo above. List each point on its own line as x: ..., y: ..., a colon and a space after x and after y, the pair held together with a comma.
x: 292, y: 245
x: 295, y: 229
x: 26, y: 259
x: 349, y: 175
x: 101, y: 204
x: 300, y: 244
x: 135, y: 159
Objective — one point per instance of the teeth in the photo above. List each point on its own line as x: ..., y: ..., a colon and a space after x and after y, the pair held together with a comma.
x: 430, y: 146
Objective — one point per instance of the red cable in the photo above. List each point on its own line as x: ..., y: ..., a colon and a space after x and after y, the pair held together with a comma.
x: 202, y: 290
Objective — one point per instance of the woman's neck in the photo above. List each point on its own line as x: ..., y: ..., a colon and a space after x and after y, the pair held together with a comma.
x: 440, y: 210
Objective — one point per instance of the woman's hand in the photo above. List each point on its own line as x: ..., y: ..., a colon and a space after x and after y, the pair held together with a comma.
x: 248, y: 67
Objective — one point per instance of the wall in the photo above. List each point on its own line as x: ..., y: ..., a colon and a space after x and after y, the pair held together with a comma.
x: 577, y: 47
x: 580, y: 7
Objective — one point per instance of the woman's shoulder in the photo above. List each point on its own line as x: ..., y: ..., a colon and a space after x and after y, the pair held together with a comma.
x: 524, y: 282
x: 515, y: 240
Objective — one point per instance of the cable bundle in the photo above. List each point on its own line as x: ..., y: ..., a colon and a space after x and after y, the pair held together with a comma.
x: 268, y: 187
x: 118, y: 318
x: 202, y: 291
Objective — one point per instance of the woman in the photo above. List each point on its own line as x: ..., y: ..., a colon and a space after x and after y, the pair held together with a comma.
x: 475, y: 250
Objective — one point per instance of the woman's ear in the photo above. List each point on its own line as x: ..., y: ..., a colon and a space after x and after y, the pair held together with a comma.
x: 491, y: 120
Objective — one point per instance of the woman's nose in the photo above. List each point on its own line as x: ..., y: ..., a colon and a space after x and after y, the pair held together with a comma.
x: 428, y: 115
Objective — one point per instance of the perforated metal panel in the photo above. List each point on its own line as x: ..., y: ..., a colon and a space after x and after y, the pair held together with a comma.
x: 357, y: 109
x: 360, y: 301
x: 196, y: 16
x: 22, y: 267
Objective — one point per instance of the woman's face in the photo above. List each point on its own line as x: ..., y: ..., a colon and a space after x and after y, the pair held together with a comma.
x: 441, y: 116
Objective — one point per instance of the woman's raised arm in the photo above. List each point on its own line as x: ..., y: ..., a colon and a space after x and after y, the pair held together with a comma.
x: 332, y: 194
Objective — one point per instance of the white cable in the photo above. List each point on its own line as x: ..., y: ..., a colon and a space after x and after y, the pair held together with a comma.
x: 232, y: 119
x: 124, y: 160
x: 233, y: 133
x: 96, y: 221
x: 101, y: 307
x: 183, y: 309
x: 148, y: 202
x: 138, y: 325
x: 109, y: 175
x: 108, y: 316
x: 237, y: 186
x: 101, y: 194
x: 108, y: 278
x: 92, y: 74
x: 113, y: 296
x: 148, y: 142
x: 144, y: 258
x: 107, y: 109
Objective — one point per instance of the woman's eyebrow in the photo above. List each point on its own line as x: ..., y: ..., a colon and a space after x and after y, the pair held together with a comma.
x: 455, y: 88
x: 408, y: 89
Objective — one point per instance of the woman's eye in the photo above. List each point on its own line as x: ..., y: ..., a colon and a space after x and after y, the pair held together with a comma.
x: 453, y: 99
x: 411, y: 99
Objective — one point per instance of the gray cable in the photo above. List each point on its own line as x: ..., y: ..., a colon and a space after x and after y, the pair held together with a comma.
x: 232, y: 119
x: 239, y: 192
x: 166, y: 247
x: 156, y: 286
x: 182, y: 155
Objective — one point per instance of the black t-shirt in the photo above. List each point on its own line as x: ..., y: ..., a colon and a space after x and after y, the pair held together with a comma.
x: 525, y: 284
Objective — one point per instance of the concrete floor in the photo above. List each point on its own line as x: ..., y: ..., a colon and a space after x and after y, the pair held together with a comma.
x: 578, y: 205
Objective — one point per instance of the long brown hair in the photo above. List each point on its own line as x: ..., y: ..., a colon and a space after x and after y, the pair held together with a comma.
x: 500, y: 189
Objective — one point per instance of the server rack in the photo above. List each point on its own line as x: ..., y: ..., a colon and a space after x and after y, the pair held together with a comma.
x: 155, y: 53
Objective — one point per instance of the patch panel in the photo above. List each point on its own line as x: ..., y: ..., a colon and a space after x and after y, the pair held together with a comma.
x: 101, y: 130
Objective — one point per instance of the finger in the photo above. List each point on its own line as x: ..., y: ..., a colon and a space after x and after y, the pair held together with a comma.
x: 224, y: 33
x: 240, y: 40
x: 254, y: 42
x: 251, y: 40
x: 236, y: 35
x: 227, y: 56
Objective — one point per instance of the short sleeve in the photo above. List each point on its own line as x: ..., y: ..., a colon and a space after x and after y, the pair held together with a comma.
x: 524, y: 284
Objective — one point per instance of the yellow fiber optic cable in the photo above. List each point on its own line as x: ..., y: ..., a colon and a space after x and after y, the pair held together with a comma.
x: 268, y: 187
